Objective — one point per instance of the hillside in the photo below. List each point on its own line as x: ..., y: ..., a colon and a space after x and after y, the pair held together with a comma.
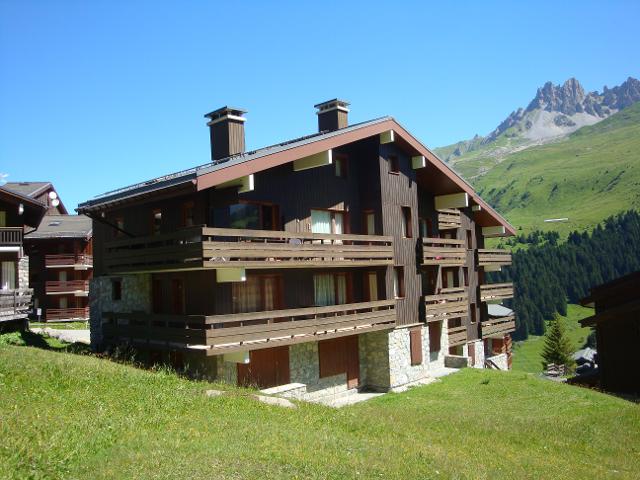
x: 72, y: 416
x: 591, y: 174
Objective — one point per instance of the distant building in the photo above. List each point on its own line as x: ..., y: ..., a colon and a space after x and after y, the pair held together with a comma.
x: 617, y: 326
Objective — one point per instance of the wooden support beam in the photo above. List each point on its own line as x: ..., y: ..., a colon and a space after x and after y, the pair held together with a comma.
x: 453, y: 200
x: 387, y: 137
x: 225, y: 275
x: 318, y: 160
x: 493, y: 231
x: 244, y: 184
x: 418, y: 161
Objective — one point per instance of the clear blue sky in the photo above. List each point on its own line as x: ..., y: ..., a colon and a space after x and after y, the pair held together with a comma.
x: 97, y: 95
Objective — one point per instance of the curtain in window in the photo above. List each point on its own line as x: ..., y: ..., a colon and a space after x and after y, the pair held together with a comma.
x: 373, y: 286
x: 270, y: 293
x: 341, y: 289
x: 371, y: 224
x: 324, y: 289
x: 8, y: 275
x: 338, y: 223
x: 320, y: 221
x: 246, y: 296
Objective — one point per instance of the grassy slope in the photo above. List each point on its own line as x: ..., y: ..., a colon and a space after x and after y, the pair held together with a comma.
x: 72, y: 416
x: 527, y: 355
x: 592, y: 174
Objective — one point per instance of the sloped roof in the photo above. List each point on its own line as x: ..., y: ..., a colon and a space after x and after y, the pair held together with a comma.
x: 62, y: 226
x: 28, y: 189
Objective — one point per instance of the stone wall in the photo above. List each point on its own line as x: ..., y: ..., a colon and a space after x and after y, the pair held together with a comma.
x: 401, y: 372
x: 478, y: 358
x: 437, y: 358
x: 23, y: 272
x: 304, y: 367
x: 136, y: 296
x: 456, y: 361
x: 500, y: 360
x: 374, y: 360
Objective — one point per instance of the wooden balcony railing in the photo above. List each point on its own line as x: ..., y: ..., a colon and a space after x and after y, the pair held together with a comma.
x: 15, y: 303
x: 68, y: 260
x: 11, y: 236
x: 449, y: 219
x: 67, y: 286
x: 493, y: 257
x: 450, y: 303
x: 445, y: 252
x: 217, y: 334
x: 202, y: 247
x: 498, y: 326
x: 66, y: 314
x: 496, y: 291
x: 457, y: 335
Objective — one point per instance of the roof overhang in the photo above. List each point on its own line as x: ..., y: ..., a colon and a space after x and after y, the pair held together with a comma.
x: 33, y: 209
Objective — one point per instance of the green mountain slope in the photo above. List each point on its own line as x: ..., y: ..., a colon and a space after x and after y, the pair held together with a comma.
x: 589, y: 175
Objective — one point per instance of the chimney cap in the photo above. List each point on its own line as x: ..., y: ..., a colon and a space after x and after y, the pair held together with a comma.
x: 334, y: 104
x: 226, y: 111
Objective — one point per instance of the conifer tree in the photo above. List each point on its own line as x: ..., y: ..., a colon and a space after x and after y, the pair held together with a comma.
x: 557, y: 346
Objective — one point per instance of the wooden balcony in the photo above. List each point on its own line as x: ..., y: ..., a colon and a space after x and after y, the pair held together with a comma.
x: 69, y: 260
x: 496, y: 291
x: 450, y: 303
x: 444, y: 252
x: 66, y: 314
x: 449, y: 219
x: 457, y: 335
x: 79, y: 288
x: 493, y: 258
x: 11, y: 236
x: 498, y: 326
x: 15, y: 304
x: 218, y: 334
x: 202, y: 248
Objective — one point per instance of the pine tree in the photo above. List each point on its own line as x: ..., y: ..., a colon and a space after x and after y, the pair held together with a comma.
x: 557, y: 346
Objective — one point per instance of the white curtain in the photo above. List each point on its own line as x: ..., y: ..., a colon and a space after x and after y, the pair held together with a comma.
x: 339, y: 221
x: 320, y: 221
x: 371, y: 224
x: 8, y: 275
x: 341, y: 289
x: 324, y: 289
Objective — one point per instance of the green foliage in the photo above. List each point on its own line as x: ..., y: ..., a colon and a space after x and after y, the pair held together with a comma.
x: 72, y: 416
x: 557, y: 346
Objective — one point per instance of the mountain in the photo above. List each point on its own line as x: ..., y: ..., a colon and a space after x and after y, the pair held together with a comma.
x: 555, y: 112
x: 585, y: 177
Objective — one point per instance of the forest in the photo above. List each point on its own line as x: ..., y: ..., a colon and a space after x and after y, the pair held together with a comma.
x: 548, y: 274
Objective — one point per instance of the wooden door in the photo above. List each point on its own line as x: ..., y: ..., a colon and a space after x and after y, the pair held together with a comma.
x: 267, y: 367
x: 472, y: 353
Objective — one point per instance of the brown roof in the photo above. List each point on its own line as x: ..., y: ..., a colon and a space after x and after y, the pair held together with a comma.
x: 62, y: 226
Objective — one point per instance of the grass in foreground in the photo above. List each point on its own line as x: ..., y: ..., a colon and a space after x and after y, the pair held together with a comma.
x: 527, y: 355
x: 72, y: 416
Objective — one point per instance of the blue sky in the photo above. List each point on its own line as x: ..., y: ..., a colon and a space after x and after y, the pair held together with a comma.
x: 98, y: 95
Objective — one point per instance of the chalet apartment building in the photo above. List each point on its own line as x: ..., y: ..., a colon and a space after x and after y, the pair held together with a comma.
x: 45, y: 254
x: 352, y: 257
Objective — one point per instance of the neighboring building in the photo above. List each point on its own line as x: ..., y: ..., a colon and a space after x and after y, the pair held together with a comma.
x: 617, y: 326
x: 352, y: 257
x: 18, y: 213
x: 60, y: 267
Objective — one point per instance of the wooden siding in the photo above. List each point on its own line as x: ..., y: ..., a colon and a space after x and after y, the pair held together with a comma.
x: 496, y: 291
x: 443, y: 252
x: 451, y: 303
x: 14, y: 304
x: 493, y: 257
x: 498, y: 326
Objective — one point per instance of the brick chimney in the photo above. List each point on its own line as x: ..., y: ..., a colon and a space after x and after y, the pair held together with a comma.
x: 226, y: 128
x: 332, y: 115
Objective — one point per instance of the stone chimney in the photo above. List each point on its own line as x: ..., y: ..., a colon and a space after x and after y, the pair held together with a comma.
x: 332, y: 115
x: 226, y: 128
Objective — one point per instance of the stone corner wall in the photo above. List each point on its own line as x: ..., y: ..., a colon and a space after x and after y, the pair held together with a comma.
x: 500, y: 360
x: 374, y: 360
x: 23, y: 272
x: 478, y: 358
x: 401, y: 371
x: 456, y: 361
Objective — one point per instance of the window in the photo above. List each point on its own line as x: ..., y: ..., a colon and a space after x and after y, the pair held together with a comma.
x: 259, y: 293
x: 398, y: 282
x: 394, y: 164
x: 426, y: 227
x: 465, y: 272
x: 118, y: 231
x: 415, y: 345
x: 331, y: 289
x: 341, y: 165
x: 472, y: 310
x: 188, y: 214
x: 469, y: 240
x: 3, y: 218
x: 116, y: 289
x: 156, y: 221
x: 327, y: 221
x: 406, y: 222
x: 246, y: 216
x: 371, y: 286
x: 369, y: 223
x: 8, y: 275
x: 435, y: 332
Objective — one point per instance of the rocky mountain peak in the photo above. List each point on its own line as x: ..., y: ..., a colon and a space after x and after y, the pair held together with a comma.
x: 566, y: 99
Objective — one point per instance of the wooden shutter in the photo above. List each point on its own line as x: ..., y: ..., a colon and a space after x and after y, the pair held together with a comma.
x: 415, y: 341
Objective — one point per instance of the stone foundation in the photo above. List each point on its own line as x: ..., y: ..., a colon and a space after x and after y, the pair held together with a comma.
x: 478, y: 358
x: 23, y: 272
x: 500, y: 361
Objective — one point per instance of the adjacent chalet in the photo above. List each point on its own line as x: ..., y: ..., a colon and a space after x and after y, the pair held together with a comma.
x: 22, y: 206
x: 60, y: 267
x: 349, y: 258
x: 617, y: 326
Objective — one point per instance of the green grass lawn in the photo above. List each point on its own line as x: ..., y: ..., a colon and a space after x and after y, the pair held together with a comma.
x: 527, y: 355
x: 66, y: 415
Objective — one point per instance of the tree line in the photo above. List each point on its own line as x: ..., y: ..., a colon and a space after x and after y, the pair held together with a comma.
x: 547, y: 275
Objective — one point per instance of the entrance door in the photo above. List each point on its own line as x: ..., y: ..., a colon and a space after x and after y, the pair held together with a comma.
x: 340, y: 355
x: 267, y: 368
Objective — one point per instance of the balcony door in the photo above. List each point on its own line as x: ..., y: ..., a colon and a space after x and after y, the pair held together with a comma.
x: 251, y: 216
x: 327, y: 221
x: 259, y: 293
x: 8, y: 275
x: 331, y: 289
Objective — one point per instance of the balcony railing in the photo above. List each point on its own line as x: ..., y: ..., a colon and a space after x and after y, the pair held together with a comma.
x: 15, y: 304
x: 202, y: 247
x: 62, y: 260
x: 77, y: 287
x: 449, y: 219
x: 457, y: 335
x: 493, y: 257
x: 11, y: 236
x: 498, y: 326
x: 449, y: 303
x: 445, y: 252
x: 66, y: 314
x: 217, y: 334
x: 496, y: 291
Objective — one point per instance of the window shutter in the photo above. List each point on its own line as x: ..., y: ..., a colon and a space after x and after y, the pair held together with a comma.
x: 415, y: 342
